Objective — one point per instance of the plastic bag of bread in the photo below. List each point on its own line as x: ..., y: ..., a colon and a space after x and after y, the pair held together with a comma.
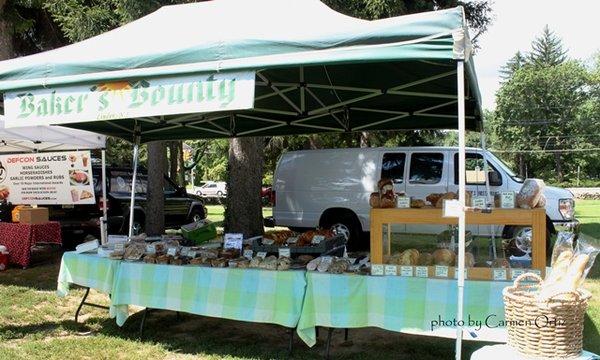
x: 374, y: 200
x: 530, y: 193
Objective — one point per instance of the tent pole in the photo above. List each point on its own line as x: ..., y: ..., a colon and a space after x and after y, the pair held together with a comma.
x: 488, y: 192
x: 461, y: 197
x: 136, y: 155
x: 103, y: 227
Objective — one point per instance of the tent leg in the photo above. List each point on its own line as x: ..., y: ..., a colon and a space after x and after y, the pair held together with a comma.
x: 488, y: 194
x: 461, y: 196
x: 136, y: 155
x: 103, y: 221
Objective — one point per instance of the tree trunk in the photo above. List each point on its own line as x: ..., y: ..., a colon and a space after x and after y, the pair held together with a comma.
x: 155, y: 201
x: 6, y: 35
x: 173, y: 159
x: 364, y: 139
x: 559, y: 169
x: 181, y: 173
x: 243, y: 212
x: 521, y: 162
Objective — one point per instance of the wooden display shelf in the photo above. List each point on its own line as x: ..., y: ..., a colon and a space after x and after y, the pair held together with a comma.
x: 536, y: 218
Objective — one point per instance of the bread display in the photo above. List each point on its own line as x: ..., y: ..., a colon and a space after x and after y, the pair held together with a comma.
x: 385, y: 196
x: 443, y: 257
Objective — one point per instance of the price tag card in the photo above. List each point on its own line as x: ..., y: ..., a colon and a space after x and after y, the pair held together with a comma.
x: 284, y: 252
x: 233, y: 241
x: 248, y: 254
x: 421, y: 271
x: 456, y: 273
x: 441, y: 271
x: 172, y: 251
x: 391, y: 270
x: 403, y: 202
x: 499, y: 274
x: 150, y: 249
x: 479, y: 202
x: 377, y: 270
x: 514, y: 273
x: 406, y: 271
x: 292, y: 240
x: 116, y: 239
x: 184, y: 251
x: 191, y: 254
x: 119, y: 247
x: 317, y: 239
x: 507, y: 200
x: 261, y: 254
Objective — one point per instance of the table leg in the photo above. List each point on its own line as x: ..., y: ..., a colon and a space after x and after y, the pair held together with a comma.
x: 143, y: 322
x: 317, y: 331
x: 346, y: 334
x: 328, y: 345
x: 291, y: 344
x: 87, y: 292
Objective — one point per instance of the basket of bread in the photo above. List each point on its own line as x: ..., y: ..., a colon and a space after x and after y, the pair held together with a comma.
x: 545, y: 317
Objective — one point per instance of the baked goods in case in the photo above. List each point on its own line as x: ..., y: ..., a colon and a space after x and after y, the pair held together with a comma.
x: 425, y: 259
x: 469, y: 259
x: 444, y: 257
x: 417, y: 203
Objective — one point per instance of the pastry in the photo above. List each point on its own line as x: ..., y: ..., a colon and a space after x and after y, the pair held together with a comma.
x: 269, y: 263
x: 338, y: 266
x: 409, y: 257
x: 443, y: 257
x: 255, y: 262
x: 417, y: 203
x: 425, y: 259
x: 313, y: 264
x: 134, y: 251
x: 374, y: 200
x: 284, y: 263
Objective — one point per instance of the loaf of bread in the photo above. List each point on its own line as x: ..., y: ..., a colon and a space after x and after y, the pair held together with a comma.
x: 425, y: 259
x: 417, y: 203
x: 409, y: 257
x: 530, y: 193
x: 374, y: 200
x: 469, y: 259
x: 559, y: 268
x: 444, y: 257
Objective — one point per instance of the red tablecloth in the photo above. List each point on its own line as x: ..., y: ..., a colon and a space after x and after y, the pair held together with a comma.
x: 19, y: 238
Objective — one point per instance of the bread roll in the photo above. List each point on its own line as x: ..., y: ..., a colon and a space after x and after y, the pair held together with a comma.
x: 387, y: 203
x: 374, y: 200
x: 444, y: 257
x: 433, y: 198
x: 417, y: 203
x: 469, y: 260
x: 501, y: 263
x: 425, y: 259
x: 409, y: 257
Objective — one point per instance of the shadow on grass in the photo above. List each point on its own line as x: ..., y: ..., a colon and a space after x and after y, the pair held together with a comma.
x: 42, y: 273
x: 198, y: 335
x: 591, y: 336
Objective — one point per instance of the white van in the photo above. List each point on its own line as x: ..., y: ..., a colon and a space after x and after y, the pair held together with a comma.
x: 332, y: 187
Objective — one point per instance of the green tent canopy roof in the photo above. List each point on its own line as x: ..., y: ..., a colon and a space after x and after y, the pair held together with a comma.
x: 316, y: 70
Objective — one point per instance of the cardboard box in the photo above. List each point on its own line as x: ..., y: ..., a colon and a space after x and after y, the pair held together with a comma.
x: 37, y: 215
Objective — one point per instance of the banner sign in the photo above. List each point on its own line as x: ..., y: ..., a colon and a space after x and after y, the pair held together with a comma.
x: 130, y: 99
x: 59, y: 178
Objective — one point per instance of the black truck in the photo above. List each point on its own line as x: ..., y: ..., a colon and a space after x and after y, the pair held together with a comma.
x: 180, y: 207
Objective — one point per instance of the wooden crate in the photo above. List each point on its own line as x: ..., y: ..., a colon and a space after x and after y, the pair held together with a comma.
x: 536, y: 218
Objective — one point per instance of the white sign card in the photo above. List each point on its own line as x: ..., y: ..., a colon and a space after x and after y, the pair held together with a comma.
x: 391, y: 270
x: 514, y: 273
x: 403, y: 202
x: 507, y: 200
x: 377, y: 270
x: 421, y: 271
x: 479, y: 202
x: 406, y: 271
x: 248, y: 254
x: 172, y: 251
x: 499, y: 274
x: 116, y: 239
x: 150, y: 249
x: 317, y: 239
x: 261, y: 254
x: 120, y: 247
x: 441, y: 271
x: 233, y: 241
x: 199, y: 93
x: 47, y: 178
x: 284, y: 252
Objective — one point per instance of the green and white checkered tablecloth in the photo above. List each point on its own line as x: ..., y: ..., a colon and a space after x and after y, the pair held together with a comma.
x: 403, y: 304
x: 88, y: 270
x: 239, y: 294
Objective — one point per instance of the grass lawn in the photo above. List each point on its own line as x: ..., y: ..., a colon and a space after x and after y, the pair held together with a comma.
x: 35, y: 324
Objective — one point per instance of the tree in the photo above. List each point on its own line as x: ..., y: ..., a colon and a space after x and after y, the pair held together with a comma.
x: 547, y: 50
x: 155, y: 221
x: 245, y: 172
x: 514, y: 63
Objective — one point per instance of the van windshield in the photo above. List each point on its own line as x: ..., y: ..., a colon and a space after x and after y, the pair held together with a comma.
x: 505, y: 167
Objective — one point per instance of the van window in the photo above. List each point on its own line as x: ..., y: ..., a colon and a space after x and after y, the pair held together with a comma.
x: 475, y: 170
x: 426, y: 168
x: 392, y: 167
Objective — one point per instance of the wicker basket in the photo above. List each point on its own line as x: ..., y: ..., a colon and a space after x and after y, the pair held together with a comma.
x: 551, y: 328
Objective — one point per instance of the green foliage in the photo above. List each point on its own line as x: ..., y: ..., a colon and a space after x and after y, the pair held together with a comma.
x: 547, y: 115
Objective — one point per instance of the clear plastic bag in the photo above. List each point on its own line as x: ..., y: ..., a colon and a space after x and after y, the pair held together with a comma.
x: 589, y: 248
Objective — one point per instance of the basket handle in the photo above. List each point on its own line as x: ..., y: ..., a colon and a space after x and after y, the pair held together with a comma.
x: 522, y: 277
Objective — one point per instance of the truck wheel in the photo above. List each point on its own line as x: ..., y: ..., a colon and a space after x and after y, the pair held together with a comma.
x: 348, y: 225
x: 511, y: 231
x: 197, y: 215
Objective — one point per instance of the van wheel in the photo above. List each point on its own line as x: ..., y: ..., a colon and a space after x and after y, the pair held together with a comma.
x: 347, y: 225
x: 512, y: 232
